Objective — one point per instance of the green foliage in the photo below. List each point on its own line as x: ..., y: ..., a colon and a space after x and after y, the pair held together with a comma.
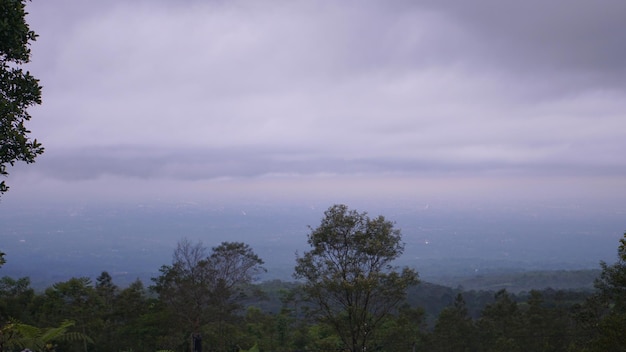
x: 134, y: 320
x: 200, y: 289
x: 455, y: 330
x: 348, y: 274
x: 500, y: 323
x: 76, y: 300
x: 323, y: 337
x: 612, y: 280
x: 402, y: 331
x: 15, y: 297
x: 516, y: 282
x: 137, y: 322
x: 608, y: 308
x: 36, y: 339
x: 254, y: 348
x: 18, y: 89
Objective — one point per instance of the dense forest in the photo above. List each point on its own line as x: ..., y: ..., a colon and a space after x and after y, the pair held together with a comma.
x: 171, y: 313
x: 105, y: 317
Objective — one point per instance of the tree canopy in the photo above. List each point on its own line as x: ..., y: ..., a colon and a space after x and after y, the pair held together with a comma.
x: 348, y: 273
x: 611, y: 296
x: 18, y: 88
x: 201, y: 288
x: 81, y: 314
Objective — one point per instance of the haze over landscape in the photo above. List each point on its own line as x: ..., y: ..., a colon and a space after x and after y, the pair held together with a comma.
x: 492, y: 133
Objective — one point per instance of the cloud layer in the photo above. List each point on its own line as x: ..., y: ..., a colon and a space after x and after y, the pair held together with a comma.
x: 196, y: 91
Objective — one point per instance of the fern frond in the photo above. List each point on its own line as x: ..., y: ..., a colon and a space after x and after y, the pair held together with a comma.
x: 74, y: 336
x: 26, y: 331
x: 254, y: 348
x: 52, y: 334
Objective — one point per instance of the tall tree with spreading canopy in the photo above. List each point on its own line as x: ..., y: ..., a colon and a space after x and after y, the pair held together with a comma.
x: 348, y: 274
x: 18, y: 88
x: 201, y: 287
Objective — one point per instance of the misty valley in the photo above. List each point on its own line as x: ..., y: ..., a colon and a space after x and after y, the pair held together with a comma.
x: 51, y: 243
x: 511, y: 279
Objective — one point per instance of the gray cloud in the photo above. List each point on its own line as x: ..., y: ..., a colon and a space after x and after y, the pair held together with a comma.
x: 194, y: 165
x: 576, y: 38
x: 211, y: 90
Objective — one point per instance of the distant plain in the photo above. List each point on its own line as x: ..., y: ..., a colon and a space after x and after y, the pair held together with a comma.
x: 446, y: 243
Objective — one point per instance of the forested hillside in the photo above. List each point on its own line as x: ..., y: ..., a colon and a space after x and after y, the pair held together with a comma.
x: 81, y: 315
x: 348, y: 297
x: 520, y: 281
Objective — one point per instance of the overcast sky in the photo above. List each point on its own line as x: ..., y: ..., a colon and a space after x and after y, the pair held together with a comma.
x: 195, y: 100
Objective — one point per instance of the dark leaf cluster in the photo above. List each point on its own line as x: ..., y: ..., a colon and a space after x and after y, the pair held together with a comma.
x: 18, y: 88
